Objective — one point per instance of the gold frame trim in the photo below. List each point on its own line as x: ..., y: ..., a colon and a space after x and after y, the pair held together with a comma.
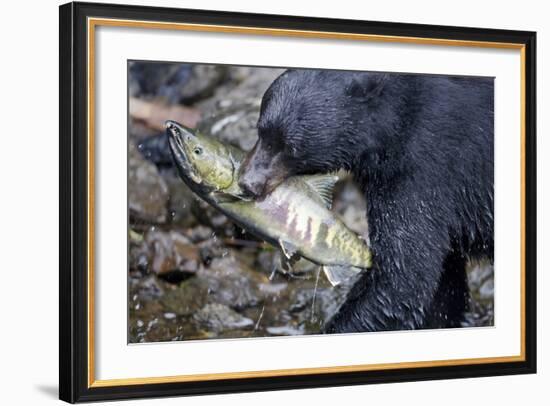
x: 92, y: 23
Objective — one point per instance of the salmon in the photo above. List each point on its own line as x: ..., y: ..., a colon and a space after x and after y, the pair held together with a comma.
x: 295, y: 217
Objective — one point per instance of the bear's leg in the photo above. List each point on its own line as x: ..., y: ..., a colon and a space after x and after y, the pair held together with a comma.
x: 452, y: 297
x: 380, y: 302
x: 399, y: 292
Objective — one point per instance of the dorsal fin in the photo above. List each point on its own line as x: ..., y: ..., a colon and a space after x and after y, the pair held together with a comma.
x: 323, y: 185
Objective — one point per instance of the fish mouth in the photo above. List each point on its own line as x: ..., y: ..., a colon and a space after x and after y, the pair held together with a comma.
x: 177, y: 132
x: 177, y: 136
x: 246, y: 196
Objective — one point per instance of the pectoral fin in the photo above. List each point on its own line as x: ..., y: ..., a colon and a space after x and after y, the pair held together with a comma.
x: 336, y: 274
x: 288, y: 263
x: 291, y: 256
x: 289, y: 249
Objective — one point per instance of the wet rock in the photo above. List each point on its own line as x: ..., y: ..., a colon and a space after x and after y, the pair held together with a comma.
x: 199, y: 233
x: 273, y: 289
x: 138, y: 131
x: 210, y: 76
x: 220, y: 317
x: 147, y: 289
x: 154, y: 79
x: 210, y: 249
x: 165, y: 327
x: 479, y: 272
x: 150, y: 288
x: 232, y: 283
x: 312, y: 306
x: 181, y: 202
x: 226, y: 282
x: 266, y: 262
x: 191, y: 295
x: 329, y: 301
x: 218, y: 220
x: 208, y: 215
x: 486, y: 291
x: 235, y: 125
x: 154, y: 113
x: 300, y: 302
x: 147, y: 191
x: 156, y: 149
x: 350, y: 204
x: 285, y: 330
x: 138, y: 258
x: 232, y: 113
x: 244, y: 85
x: 171, y: 252
x: 481, y: 285
x: 175, y: 82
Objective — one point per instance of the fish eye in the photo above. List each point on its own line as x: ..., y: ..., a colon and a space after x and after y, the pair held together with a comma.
x: 197, y: 151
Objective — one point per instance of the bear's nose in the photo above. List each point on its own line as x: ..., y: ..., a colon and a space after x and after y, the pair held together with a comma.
x: 251, y: 187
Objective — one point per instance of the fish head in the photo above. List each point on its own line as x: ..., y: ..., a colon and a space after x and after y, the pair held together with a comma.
x: 204, y: 163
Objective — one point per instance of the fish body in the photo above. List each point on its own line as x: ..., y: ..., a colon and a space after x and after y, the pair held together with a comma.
x: 295, y: 216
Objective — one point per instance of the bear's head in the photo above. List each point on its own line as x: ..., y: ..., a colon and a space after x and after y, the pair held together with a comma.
x: 314, y: 121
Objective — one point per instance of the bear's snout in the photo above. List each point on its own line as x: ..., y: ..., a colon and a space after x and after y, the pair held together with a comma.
x: 251, y: 185
x: 262, y: 171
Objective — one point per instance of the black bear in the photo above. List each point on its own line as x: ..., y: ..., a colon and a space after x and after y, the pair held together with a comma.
x: 421, y: 147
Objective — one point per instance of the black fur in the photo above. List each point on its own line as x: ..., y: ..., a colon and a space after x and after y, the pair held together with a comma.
x: 421, y: 147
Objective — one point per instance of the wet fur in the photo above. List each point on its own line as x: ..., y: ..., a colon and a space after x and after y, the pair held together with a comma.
x: 421, y: 148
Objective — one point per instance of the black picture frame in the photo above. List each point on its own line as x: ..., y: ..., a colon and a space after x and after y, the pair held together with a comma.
x: 74, y: 200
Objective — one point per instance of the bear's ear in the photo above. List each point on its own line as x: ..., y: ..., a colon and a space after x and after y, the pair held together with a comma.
x: 367, y: 86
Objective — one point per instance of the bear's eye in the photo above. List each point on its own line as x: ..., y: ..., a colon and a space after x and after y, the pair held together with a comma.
x: 197, y: 151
